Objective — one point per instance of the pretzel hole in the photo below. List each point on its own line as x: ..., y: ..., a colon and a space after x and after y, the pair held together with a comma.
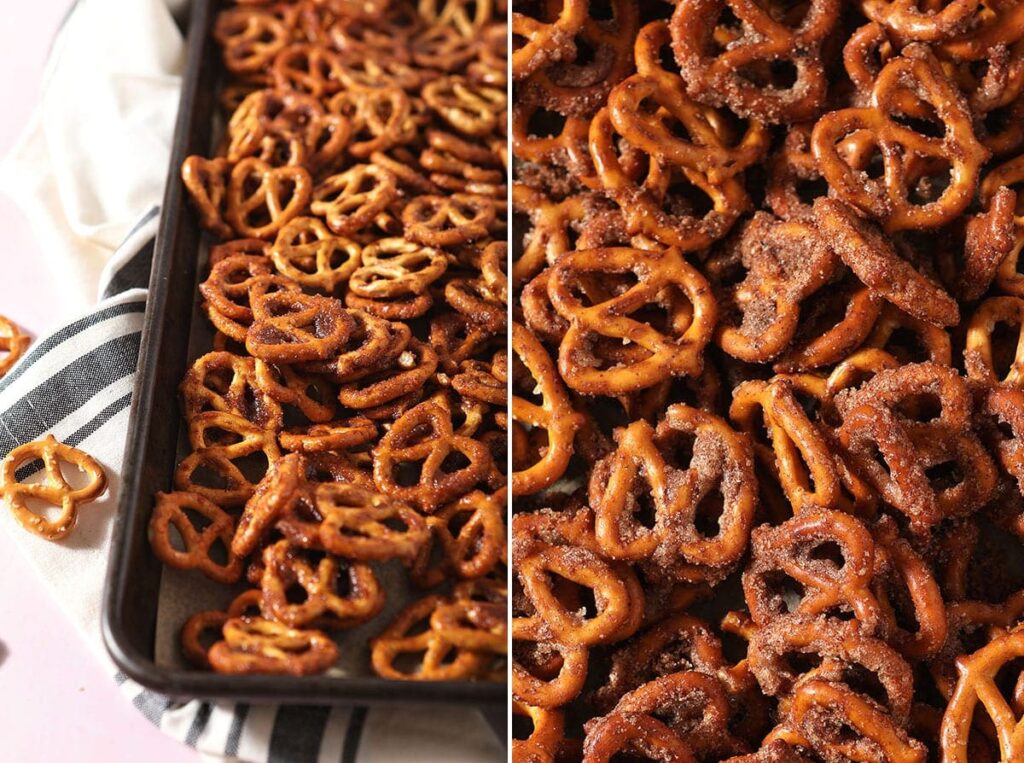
x: 643, y: 509
x: 522, y: 726
x: 454, y: 461
x: 408, y: 473
x: 902, y: 606
x: 41, y: 508
x: 944, y: 476
x: 809, y: 190
x: 253, y: 466
x: 210, y: 477
x: 786, y: 590
x: 734, y: 647
x: 708, y: 515
x: 867, y: 682
x: 906, y: 345
x: 875, y: 455
x: 829, y: 552
x: 928, y: 188
x: 1003, y: 341
x: 197, y: 519
x: 683, y: 198
x: 295, y: 594
x: 931, y: 128
x: 76, y: 477
x: 921, y: 407
x: 780, y: 75
x: 218, y: 553
x: 544, y: 124
x: 800, y: 663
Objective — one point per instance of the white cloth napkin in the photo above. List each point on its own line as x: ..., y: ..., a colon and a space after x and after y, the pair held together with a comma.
x: 89, y: 174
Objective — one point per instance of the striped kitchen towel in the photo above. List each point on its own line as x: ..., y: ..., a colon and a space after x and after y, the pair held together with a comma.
x: 76, y: 384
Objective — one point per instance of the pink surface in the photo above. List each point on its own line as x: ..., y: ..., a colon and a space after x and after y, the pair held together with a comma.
x: 59, y: 702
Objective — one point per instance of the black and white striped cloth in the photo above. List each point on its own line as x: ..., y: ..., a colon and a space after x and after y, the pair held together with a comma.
x: 76, y: 384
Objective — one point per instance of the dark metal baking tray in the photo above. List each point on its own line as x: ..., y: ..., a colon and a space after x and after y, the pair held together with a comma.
x: 134, y: 573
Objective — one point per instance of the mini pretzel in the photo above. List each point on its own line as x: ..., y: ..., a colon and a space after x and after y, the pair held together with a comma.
x: 902, y: 567
x: 471, y: 108
x: 800, y: 455
x: 645, y: 206
x: 735, y: 74
x: 207, y: 183
x: 13, y: 344
x: 373, y: 343
x: 871, y: 419
x: 545, y: 40
x: 786, y: 262
x: 175, y: 509
x: 221, y: 381
x: 441, y: 48
x: 870, y: 256
x: 582, y: 568
x: 291, y: 327
x: 396, y: 267
x: 251, y: 37
x: 334, y: 435
x: 255, y: 645
x: 471, y: 532
x: 440, y: 661
x: 257, y: 192
x: 53, y: 490
x: 217, y: 457
x: 659, y: 355
x: 445, y: 221
x: 306, y: 68
x: 775, y: 650
x: 819, y: 707
x: 410, y: 371
x: 350, y: 200
x: 709, y: 150
x: 424, y: 435
x: 197, y: 626
x: 380, y: 118
x: 979, y: 360
x: 479, y: 626
x: 575, y: 87
x: 235, y: 280
x: 889, y: 200
x: 978, y: 682
x: 825, y: 586
x: 287, y: 385
x: 693, y: 706
x: 359, y: 524
x: 327, y: 599
x: 308, y: 254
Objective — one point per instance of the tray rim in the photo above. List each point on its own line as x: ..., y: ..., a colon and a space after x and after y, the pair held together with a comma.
x: 193, y: 684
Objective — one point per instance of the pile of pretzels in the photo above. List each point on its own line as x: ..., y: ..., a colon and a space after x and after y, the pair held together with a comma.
x: 351, y: 411
x: 768, y: 380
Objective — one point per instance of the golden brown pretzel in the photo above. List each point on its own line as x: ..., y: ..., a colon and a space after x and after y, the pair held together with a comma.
x: 889, y: 200
x: 872, y: 258
x: 170, y: 511
x: 653, y: 355
x: 256, y: 645
x: 54, y: 490
x: 718, y: 74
